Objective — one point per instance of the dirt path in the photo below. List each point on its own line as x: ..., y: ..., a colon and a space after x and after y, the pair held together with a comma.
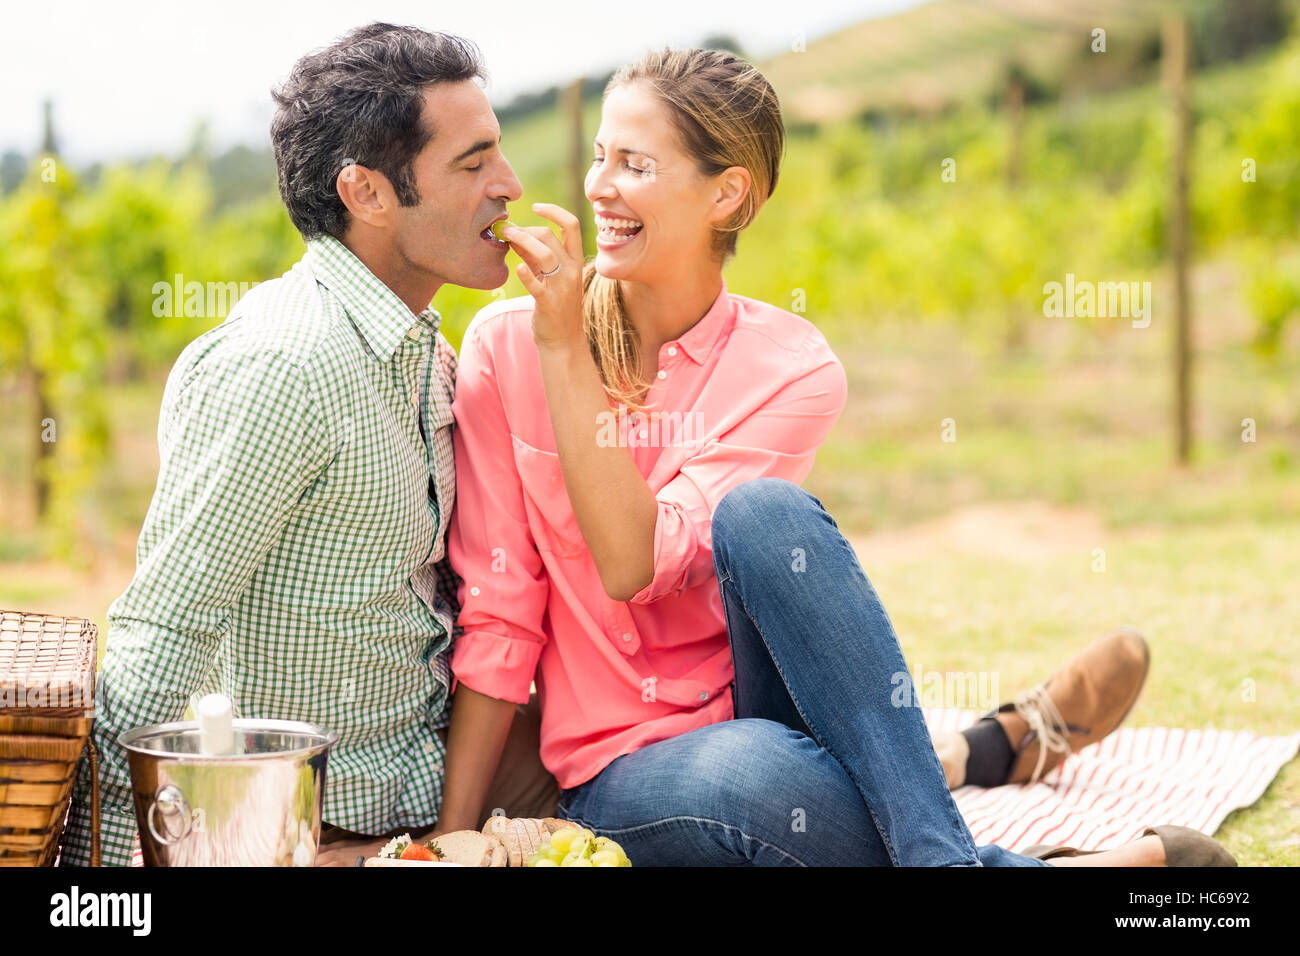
x: 1022, y: 531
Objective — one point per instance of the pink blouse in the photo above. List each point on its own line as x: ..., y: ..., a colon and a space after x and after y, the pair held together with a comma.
x: 748, y: 391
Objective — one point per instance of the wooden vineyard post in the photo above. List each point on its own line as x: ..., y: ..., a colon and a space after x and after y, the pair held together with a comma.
x: 1175, y: 56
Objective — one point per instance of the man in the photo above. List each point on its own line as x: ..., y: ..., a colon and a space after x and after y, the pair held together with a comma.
x: 293, y: 556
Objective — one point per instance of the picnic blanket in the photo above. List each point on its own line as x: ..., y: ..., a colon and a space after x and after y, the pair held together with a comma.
x: 1108, y: 793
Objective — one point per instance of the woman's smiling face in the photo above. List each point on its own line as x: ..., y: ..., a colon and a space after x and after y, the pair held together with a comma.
x: 654, y: 209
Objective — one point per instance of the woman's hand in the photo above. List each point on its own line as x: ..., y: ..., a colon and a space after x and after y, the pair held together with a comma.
x: 345, y: 852
x: 557, y: 319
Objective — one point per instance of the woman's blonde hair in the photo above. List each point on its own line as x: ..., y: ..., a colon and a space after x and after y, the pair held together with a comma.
x: 726, y: 114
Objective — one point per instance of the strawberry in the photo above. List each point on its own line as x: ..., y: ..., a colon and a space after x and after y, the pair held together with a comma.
x: 417, y: 852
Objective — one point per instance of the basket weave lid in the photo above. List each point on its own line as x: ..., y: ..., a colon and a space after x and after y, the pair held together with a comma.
x: 47, y: 663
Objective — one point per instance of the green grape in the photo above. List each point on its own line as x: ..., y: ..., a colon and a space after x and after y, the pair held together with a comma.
x: 561, y: 839
x: 578, y: 846
x: 605, y: 843
x: 577, y: 852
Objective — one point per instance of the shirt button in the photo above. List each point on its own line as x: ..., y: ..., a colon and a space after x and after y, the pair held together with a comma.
x: 416, y: 333
x: 672, y: 350
x: 704, y: 695
x: 474, y: 591
x: 627, y: 637
x: 663, y: 374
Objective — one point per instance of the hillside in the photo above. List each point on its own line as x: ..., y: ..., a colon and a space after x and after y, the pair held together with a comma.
x: 957, y: 51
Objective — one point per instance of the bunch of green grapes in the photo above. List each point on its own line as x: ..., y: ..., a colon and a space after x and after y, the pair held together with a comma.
x: 577, y: 846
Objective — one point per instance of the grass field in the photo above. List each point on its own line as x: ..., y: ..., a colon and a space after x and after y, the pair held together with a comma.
x: 984, y: 549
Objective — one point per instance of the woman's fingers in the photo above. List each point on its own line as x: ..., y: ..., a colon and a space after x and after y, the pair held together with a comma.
x: 558, y: 313
x: 570, y: 227
x: 539, y: 247
x: 530, y: 242
x: 532, y: 284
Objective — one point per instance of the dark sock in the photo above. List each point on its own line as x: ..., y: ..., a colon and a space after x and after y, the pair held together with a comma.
x: 990, y: 754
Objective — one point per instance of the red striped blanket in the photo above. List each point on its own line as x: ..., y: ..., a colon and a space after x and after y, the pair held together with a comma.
x: 1107, y: 794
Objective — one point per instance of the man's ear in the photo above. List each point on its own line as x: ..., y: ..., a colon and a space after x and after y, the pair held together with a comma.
x: 733, y: 184
x: 367, y: 193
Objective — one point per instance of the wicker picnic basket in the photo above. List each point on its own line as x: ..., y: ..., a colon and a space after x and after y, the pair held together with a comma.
x: 47, y: 687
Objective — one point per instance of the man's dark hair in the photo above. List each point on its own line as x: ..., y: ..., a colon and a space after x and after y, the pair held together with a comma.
x: 359, y: 101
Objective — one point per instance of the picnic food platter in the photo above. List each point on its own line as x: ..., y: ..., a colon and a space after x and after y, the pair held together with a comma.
x: 503, y: 841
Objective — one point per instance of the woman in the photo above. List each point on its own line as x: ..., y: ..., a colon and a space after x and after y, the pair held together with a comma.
x: 631, y: 534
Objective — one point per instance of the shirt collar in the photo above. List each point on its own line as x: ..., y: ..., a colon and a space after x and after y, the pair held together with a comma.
x: 382, y: 318
x: 698, y: 340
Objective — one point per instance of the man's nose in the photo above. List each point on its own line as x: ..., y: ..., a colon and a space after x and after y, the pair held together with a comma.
x: 508, y: 187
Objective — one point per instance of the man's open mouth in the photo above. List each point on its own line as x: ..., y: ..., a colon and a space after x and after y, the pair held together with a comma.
x: 487, y: 236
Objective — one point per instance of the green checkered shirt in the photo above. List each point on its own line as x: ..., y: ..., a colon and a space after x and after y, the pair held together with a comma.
x: 293, y: 556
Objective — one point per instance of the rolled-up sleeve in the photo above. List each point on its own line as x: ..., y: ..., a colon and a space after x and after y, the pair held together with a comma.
x: 779, y: 439
x: 504, y: 587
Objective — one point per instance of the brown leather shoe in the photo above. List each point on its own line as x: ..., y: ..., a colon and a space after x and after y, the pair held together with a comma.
x: 1078, y: 705
x: 1183, y: 847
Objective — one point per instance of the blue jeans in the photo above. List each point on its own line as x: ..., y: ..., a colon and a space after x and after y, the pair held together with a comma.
x: 818, y: 768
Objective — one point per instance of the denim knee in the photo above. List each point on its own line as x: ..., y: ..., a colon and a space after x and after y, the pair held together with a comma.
x: 750, y: 506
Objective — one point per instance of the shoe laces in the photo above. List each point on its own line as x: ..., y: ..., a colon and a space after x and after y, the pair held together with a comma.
x: 1035, y: 706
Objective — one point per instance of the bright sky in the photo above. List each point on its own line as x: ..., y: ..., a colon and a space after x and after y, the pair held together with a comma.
x: 130, y: 78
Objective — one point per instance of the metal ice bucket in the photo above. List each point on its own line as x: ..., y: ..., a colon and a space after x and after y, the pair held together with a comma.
x: 260, y: 806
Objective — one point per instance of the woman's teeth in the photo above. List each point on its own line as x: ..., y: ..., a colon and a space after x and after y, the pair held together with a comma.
x: 616, y: 230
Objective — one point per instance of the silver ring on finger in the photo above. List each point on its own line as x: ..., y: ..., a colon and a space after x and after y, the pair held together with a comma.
x: 547, y: 275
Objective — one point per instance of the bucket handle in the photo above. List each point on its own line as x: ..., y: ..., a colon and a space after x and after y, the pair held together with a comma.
x: 170, y: 800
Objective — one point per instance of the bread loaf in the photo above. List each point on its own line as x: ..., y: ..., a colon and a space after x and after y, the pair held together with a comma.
x: 472, y: 848
x: 521, y: 836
